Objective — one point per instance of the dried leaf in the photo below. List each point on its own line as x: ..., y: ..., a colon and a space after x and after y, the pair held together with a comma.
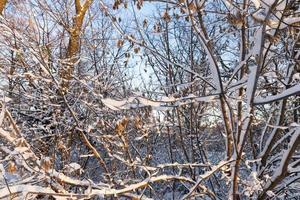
x: 46, y: 163
x: 136, y: 50
x: 120, y: 43
x: 138, y: 122
x: 192, y: 7
x: 166, y: 17
x: 11, y: 167
x: 121, y: 126
x: 157, y: 28
x: 145, y: 22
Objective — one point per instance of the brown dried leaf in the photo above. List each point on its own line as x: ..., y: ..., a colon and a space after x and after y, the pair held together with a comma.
x: 21, y: 143
x: 145, y: 22
x: 166, y: 17
x: 120, y: 43
x: 126, y: 4
x: 139, y: 4
x: 116, y: 4
x: 11, y: 167
x: 157, y: 28
x: 136, y: 50
x: 46, y: 163
x: 121, y: 126
x: 138, y: 122
x: 182, y: 11
x: 192, y: 7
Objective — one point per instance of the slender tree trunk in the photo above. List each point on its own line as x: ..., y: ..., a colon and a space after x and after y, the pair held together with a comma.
x: 74, y: 42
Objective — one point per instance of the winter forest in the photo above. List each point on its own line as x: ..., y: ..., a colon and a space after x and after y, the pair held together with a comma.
x: 149, y: 99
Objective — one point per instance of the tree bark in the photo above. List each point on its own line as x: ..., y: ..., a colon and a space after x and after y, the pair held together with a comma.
x: 74, y: 42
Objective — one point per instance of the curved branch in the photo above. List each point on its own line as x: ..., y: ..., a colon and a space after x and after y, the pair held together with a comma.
x: 295, y: 90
